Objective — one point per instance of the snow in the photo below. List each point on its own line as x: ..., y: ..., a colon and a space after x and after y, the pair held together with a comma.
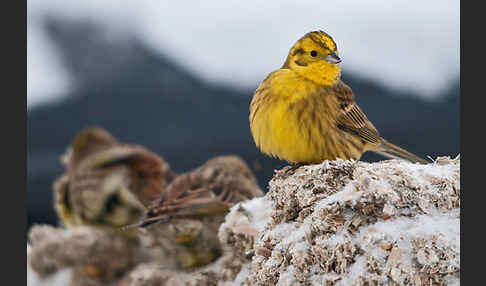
x: 366, y: 223
x: 62, y: 277
x: 335, y: 223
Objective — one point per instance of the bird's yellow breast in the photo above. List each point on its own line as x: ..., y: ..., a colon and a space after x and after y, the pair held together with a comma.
x: 291, y: 118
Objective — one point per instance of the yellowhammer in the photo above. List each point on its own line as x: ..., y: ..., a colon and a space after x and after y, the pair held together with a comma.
x: 303, y: 113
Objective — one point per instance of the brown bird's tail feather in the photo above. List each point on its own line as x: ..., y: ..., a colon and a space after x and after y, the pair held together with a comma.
x: 390, y: 150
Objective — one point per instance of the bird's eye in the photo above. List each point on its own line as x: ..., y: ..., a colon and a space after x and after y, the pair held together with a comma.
x: 313, y: 54
x: 112, y: 202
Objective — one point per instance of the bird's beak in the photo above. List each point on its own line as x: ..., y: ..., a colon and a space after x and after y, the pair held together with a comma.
x: 333, y: 58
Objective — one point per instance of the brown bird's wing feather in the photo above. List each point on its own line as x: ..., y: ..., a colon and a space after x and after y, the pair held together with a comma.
x: 185, y: 198
x: 351, y: 118
x: 211, y: 189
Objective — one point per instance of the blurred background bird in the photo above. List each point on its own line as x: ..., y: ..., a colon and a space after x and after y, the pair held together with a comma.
x: 177, y: 76
x: 303, y: 112
x: 107, y: 184
x: 185, y: 220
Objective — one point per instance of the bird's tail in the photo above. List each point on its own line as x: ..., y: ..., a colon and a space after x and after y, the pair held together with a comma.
x: 390, y: 150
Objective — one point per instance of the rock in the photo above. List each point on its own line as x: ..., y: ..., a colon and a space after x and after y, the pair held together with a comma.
x: 335, y: 223
x: 94, y: 256
x: 352, y: 223
x: 192, y: 207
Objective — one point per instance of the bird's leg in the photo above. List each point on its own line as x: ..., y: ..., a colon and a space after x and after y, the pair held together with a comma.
x: 296, y: 166
x: 293, y: 168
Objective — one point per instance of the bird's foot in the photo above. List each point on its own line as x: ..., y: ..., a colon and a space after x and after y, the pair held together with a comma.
x: 289, y: 170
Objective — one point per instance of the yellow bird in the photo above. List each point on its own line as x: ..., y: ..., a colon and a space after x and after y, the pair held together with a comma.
x: 303, y: 113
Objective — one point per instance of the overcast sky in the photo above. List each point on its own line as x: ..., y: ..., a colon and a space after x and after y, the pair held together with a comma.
x: 401, y: 44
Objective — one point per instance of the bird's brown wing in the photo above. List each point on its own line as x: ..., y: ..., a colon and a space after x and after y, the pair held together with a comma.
x: 211, y: 189
x: 351, y: 118
x: 185, y: 197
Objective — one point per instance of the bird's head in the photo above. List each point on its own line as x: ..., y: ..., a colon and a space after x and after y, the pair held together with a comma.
x: 315, y: 57
x: 91, y: 140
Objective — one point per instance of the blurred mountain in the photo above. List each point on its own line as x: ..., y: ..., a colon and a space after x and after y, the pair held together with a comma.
x: 142, y: 97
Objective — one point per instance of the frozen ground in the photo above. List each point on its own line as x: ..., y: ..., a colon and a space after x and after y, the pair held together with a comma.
x: 335, y: 223
x: 355, y: 223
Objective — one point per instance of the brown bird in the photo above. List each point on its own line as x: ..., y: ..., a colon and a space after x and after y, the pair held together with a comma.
x: 186, y: 218
x: 107, y: 184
